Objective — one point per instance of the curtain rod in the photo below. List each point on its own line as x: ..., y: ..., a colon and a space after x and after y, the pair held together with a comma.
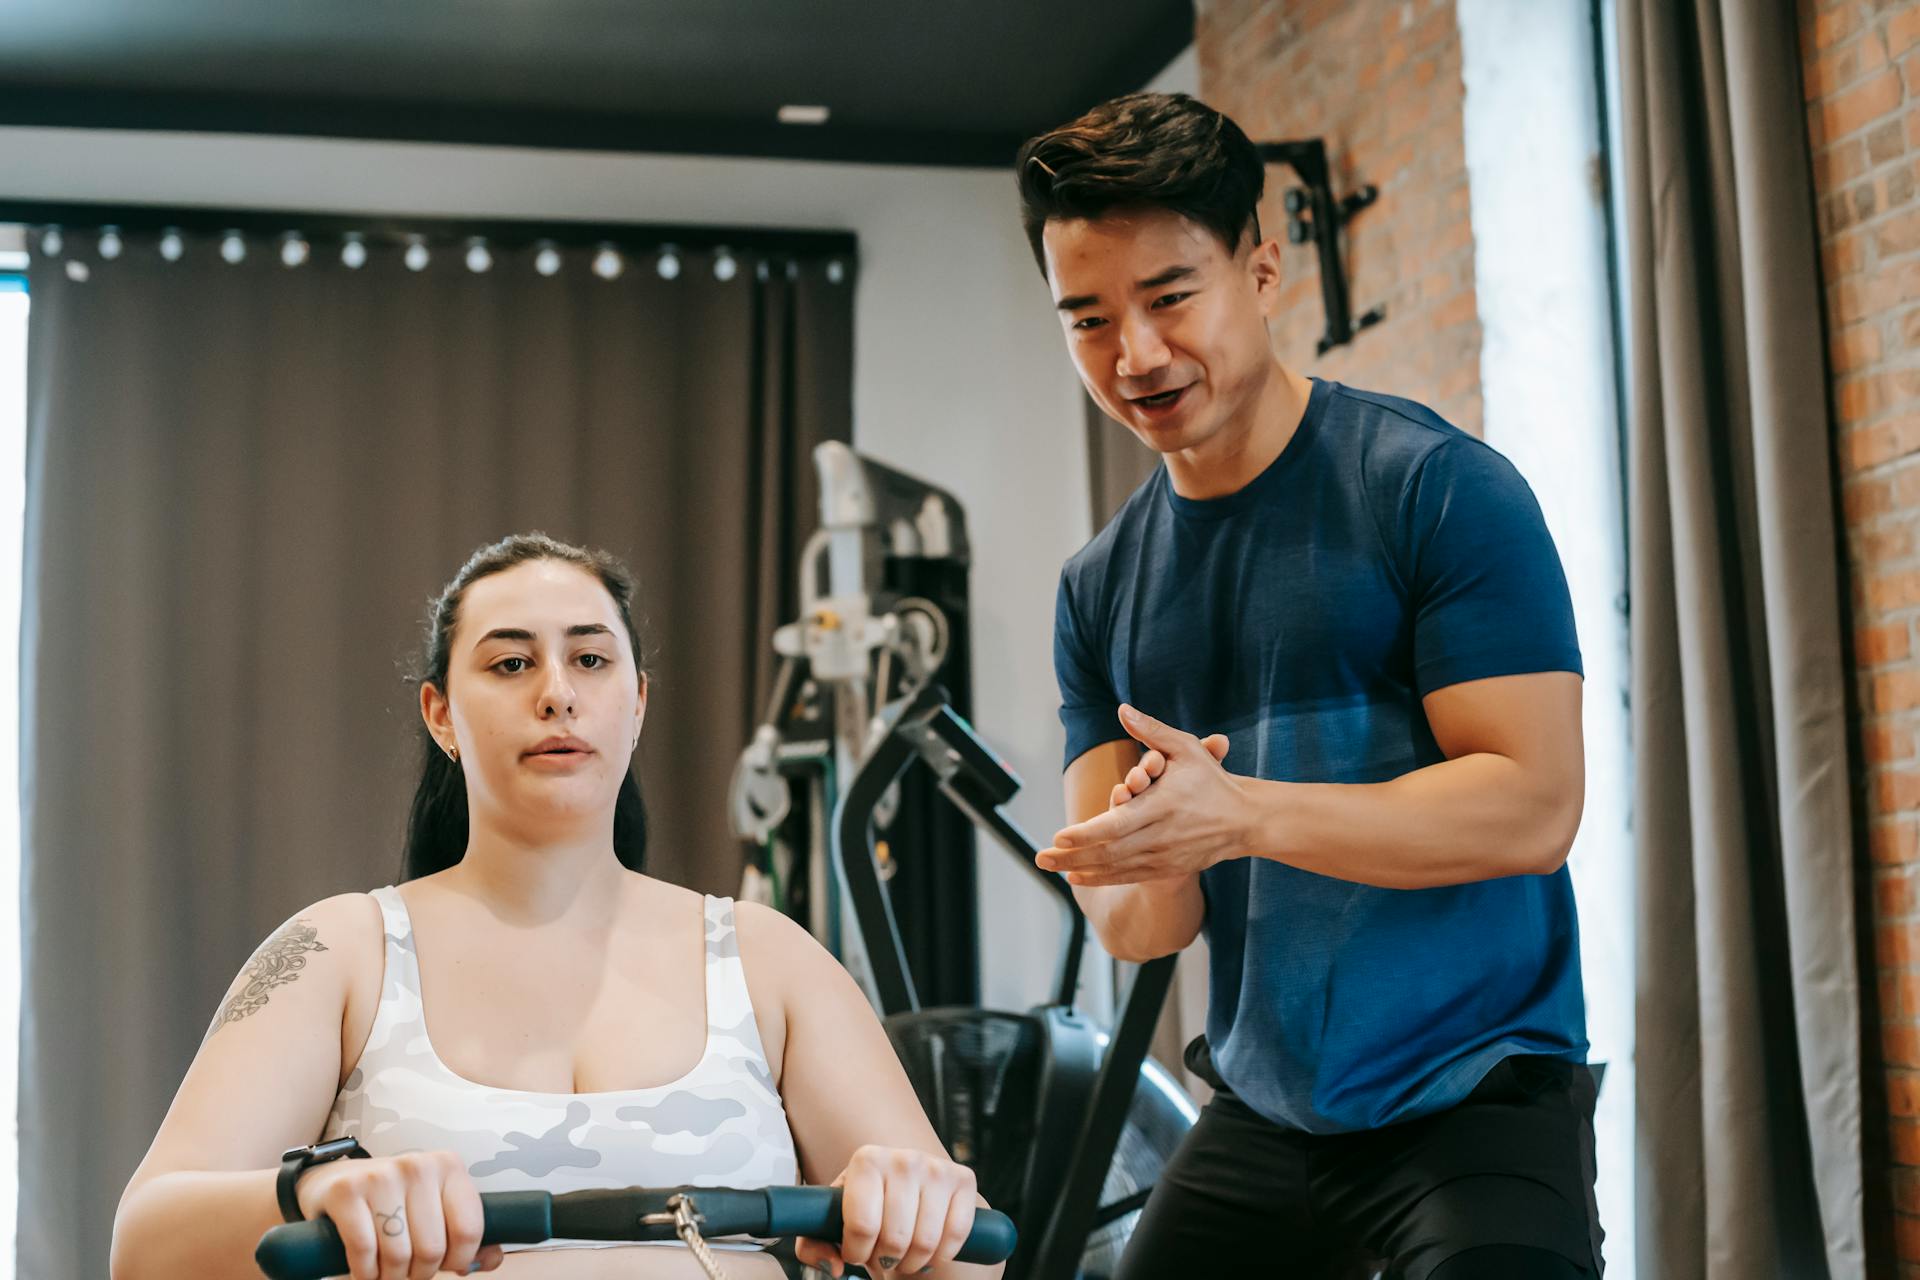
x: 501, y: 231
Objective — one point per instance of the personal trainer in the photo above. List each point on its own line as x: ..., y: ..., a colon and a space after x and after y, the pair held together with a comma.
x: 1361, y: 607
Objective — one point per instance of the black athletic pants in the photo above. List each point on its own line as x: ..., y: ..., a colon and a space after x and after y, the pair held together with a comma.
x: 1499, y: 1186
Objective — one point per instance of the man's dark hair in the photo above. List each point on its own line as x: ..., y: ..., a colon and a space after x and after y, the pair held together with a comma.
x: 1144, y: 151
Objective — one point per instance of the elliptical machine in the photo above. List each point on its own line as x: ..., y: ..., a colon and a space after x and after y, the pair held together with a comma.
x: 1065, y: 1125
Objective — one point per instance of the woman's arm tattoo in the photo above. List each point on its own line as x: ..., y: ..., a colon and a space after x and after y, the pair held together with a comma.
x: 278, y: 961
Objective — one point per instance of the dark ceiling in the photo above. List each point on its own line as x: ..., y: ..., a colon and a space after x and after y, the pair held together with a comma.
x: 907, y: 81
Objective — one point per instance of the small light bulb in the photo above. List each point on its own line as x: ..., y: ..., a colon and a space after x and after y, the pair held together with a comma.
x: 353, y: 253
x: 479, y: 259
x: 233, y: 249
x: 607, y: 264
x: 547, y: 261
x: 77, y: 271
x: 293, y: 249
x: 110, y: 244
x: 417, y: 256
x: 51, y: 242
x: 669, y: 264
x: 835, y: 272
x: 171, y: 245
x: 724, y: 267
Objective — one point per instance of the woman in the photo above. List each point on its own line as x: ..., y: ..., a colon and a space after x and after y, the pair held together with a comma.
x: 590, y: 1026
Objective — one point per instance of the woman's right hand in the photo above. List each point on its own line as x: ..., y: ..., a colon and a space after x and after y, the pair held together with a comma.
x: 403, y: 1217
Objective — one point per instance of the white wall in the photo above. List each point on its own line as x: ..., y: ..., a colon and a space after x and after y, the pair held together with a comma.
x: 959, y: 370
x: 1533, y: 131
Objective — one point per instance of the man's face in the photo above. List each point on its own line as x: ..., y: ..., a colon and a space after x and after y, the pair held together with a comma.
x: 1167, y: 328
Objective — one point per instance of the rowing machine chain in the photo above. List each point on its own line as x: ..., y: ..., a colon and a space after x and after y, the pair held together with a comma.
x: 686, y: 1225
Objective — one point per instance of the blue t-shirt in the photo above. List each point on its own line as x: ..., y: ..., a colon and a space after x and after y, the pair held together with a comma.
x: 1384, y: 554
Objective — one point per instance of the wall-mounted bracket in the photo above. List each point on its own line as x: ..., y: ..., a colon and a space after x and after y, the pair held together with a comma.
x: 1314, y: 214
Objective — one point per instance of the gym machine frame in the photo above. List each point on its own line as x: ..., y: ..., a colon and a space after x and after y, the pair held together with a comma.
x: 924, y: 728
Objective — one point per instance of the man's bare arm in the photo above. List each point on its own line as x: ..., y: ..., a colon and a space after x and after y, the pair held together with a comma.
x: 1134, y: 922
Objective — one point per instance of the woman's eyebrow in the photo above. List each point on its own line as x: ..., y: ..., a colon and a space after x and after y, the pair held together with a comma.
x: 520, y: 633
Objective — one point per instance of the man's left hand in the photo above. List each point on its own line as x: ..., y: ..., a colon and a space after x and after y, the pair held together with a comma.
x: 1194, y: 814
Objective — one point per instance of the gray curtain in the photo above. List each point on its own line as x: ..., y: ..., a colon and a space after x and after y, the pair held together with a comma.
x: 244, y: 484
x: 1748, y: 1016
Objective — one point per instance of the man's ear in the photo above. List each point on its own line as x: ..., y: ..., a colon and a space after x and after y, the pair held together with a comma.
x: 1263, y: 266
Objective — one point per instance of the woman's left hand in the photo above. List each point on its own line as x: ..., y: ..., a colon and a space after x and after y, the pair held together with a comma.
x: 903, y: 1211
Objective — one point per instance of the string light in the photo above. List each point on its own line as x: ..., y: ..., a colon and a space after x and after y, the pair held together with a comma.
x: 835, y: 272
x: 110, y: 244
x: 353, y: 253
x: 51, y: 242
x: 668, y: 264
x: 607, y: 264
x: 293, y: 249
x: 478, y: 256
x: 724, y: 267
x: 233, y: 249
x: 171, y: 245
x: 547, y: 260
x: 77, y: 271
x: 416, y: 256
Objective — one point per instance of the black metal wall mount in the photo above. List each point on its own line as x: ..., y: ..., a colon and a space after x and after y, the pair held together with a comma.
x: 1314, y: 214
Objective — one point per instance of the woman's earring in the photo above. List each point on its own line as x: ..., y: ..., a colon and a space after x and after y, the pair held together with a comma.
x: 453, y: 754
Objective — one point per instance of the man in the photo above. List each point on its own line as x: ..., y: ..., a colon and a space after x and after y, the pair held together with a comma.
x: 1360, y: 606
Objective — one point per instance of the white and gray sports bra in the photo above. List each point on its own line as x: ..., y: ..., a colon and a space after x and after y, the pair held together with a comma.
x: 719, y: 1125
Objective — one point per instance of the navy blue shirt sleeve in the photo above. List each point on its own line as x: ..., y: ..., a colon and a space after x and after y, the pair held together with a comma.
x: 1089, y: 707
x: 1488, y: 595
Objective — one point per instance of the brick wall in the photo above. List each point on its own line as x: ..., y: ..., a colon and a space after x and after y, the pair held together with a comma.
x: 1380, y: 81
x: 1861, y: 75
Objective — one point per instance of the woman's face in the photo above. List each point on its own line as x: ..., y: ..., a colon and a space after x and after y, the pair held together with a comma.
x: 544, y: 697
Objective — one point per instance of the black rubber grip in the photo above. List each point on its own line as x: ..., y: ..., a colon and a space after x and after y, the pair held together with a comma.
x: 311, y: 1250
x: 815, y: 1212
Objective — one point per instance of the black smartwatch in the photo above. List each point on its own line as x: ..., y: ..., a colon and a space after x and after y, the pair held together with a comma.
x: 297, y: 1160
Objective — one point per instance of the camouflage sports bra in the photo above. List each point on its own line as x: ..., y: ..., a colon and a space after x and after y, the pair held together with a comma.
x: 719, y: 1125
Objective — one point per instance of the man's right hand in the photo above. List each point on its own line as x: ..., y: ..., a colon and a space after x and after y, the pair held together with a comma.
x: 1153, y: 764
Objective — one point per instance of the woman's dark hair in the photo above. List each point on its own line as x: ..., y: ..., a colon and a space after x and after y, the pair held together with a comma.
x: 437, y: 823
x: 1143, y: 151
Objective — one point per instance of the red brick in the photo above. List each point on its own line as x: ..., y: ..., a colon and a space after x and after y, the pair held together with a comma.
x: 1897, y: 235
x: 1897, y: 791
x: 1906, y: 1190
x: 1895, y: 691
x: 1886, y: 544
x: 1906, y: 1231
x: 1838, y: 68
x: 1878, y: 645
x: 1861, y: 105
x: 1900, y: 1045
x: 1839, y: 164
x: 1893, y: 590
x: 1903, y: 1093
x: 1893, y: 841
x: 1893, y: 899
x: 1862, y: 499
x: 1903, y: 30
x: 1856, y: 348
x: 1883, y: 442
x: 1835, y: 25
x: 1844, y: 254
x: 1887, y: 744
